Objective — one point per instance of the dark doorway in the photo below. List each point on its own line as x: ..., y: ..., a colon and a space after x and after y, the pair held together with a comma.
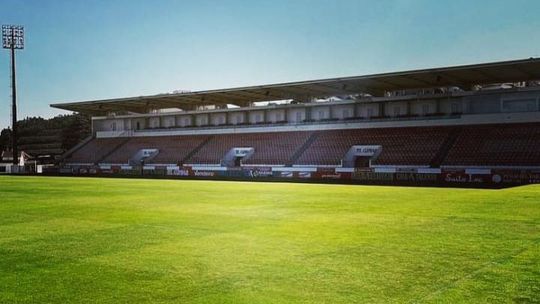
x: 361, y: 162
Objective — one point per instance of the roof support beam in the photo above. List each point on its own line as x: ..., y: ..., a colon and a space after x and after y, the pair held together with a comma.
x: 529, y: 75
x: 423, y: 82
x: 266, y: 96
x: 346, y: 89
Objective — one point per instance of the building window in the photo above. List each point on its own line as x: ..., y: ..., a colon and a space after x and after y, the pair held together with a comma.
x: 298, y: 116
x: 258, y: 118
x: 345, y: 114
x: 455, y: 107
x: 222, y: 120
x: 138, y: 127
x: 369, y: 112
x: 425, y: 109
x: 397, y: 111
x: 321, y: 115
x: 113, y: 126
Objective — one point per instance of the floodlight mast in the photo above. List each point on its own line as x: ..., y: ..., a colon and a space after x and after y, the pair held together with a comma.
x: 13, y: 38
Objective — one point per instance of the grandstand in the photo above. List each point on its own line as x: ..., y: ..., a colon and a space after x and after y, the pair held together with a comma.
x: 475, y: 124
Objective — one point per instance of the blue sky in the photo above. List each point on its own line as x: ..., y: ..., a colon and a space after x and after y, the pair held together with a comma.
x: 94, y: 49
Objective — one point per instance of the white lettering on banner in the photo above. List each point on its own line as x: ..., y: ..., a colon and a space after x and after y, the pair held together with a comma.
x: 240, y: 152
x: 286, y: 174
x: 304, y: 174
x: 178, y: 172
x: 463, y: 178
x: 148, y: 152
x: 366, y: 150
x: 204, y: 173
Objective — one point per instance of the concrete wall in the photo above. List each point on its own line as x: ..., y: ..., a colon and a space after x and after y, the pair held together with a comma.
x: 368, y: 110
x: 343, y: 111
x: 218, y: 119
x: 276, y: 115
x: 256, y: 117
x: 463, y: 120
x: 397, y: 108
x: 154, y: 122
x: 470, y: 103
x: 168, y: 122
x: 184, y: 120
x: 237, y: 118
x: 202, y: 120
x: 320, y: 113
x: 296, y: 115
x: 424, y: 107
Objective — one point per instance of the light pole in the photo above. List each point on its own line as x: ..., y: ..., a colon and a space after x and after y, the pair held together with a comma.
x: 13, y: 39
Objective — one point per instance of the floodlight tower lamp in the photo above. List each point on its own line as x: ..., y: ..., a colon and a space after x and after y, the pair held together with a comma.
x: 13, y: 39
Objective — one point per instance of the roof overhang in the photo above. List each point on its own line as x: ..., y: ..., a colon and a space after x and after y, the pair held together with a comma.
x: 463, y: 76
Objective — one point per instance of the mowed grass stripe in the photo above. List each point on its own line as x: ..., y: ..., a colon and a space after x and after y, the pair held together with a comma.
x: 89, y: 240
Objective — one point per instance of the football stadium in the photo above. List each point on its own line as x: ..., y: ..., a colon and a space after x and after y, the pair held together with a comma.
x: 113, y: 240
x: 475, y: 125
x: 416, y: 185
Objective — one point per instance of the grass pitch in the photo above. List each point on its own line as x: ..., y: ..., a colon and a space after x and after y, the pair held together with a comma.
x: 78, y: 240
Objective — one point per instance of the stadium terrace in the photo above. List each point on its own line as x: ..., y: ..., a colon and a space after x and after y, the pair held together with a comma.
x: 474, y: 125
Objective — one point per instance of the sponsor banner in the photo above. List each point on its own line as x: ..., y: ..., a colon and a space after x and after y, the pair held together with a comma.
x: 257, y: 171
x: 285, y: 174
x: 148, y: 152
x: 303, y: 174
x: 516, y: 176
x: 462, y: 177
x: 346, y: 175
x: 366, y: 150
x: 201, y: 173
x: 178, y: 171
x: 385, y: 175
x: 330, y: 176
x: 241, y: 152
x: 416, y: 177
x: 326, y: 173
x: 208, y: 168
x: 373, y: 176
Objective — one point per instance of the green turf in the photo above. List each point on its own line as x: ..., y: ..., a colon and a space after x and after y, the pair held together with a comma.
x: 78, y: 240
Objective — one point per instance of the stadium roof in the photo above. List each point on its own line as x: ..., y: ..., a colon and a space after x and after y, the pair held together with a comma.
x: 375, y: 84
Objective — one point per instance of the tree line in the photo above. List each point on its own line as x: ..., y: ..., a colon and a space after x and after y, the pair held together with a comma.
x: 68, y: 129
